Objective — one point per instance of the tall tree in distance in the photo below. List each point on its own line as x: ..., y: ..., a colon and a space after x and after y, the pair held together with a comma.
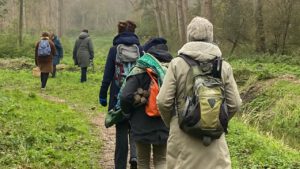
x: 60, y: 17
x: 21, y: 23
x: 288, y: 8
x: 260, y: 33
x: 166, y: 9
x: 206, y: 9
x: 158, y: 17
x: 185, y: 12
x: 181, y: 21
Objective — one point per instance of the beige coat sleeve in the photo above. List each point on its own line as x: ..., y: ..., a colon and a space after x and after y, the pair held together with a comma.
x: 167, y: 94
x: 232, y: 95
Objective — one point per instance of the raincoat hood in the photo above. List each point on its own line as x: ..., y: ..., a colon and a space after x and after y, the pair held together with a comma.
x: 83, y: 35
x: 200, y: 51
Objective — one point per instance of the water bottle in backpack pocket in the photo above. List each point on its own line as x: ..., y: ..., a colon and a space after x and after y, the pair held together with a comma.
x: 44, y: 48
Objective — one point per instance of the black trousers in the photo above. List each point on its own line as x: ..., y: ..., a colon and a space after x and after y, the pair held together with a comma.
x: 121, y: 149
x: 83, y: 74
x: 54, y: 71
x: 44, y: 79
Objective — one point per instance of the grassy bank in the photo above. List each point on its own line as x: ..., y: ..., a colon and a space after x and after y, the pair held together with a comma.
x: 77, y: 103
x: 38, y: 133
x: 53, y: 129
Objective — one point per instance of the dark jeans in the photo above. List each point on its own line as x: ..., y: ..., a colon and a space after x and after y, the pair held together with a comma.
x: 83, y: 74
x: 54, y: 71
x: 121, y: 150
x: 44, y: 78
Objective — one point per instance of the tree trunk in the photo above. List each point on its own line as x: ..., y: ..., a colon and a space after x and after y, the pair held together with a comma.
x: 60, y: 17
x: 24, y: 16
x: 158, y: 18
x: 206, y: 9
x: 21, y: 23
x: 166, y: 8
x: 237, y: 38
x: 181, y: 26
x: 185, y: 13
x: 288, y: 9
x: 260, y: 34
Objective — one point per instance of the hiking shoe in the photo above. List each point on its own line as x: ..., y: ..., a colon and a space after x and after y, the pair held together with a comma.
x: 133, y: 163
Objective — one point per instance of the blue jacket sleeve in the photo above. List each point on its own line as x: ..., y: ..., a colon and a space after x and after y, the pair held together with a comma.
x: 59, y: 48
x: 108, y: 73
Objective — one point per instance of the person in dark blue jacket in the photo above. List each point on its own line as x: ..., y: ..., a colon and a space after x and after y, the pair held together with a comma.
x: 125, y: 36
x: 59, y: 52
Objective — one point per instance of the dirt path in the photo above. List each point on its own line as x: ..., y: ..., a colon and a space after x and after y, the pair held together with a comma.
x: 108, y: 142
x: 107, y: 135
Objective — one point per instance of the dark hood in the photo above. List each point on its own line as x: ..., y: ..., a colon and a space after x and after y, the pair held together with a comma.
x: 83, y: 35
x: 159, y: 49
x: 126, y: 38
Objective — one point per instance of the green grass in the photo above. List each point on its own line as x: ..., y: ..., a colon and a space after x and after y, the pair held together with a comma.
x: 249, y: 149
x: 265, y: 69
x: 36, y: 133
x: 276, y: 110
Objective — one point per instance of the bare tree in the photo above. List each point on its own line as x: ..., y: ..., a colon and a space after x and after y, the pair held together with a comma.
x: 180, y: 20
x: 60, y: 17
x: 260, y: 33
x: 206, y: 9
x: 21, y: 23
x: 166, y: 9
x: 185, y: 12
x: 158, y: 17
x: 288, y: 7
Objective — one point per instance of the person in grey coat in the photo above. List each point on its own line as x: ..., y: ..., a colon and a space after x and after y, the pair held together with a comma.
x: 83, y: 53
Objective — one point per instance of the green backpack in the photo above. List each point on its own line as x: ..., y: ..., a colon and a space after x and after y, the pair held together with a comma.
x: 205, y: 112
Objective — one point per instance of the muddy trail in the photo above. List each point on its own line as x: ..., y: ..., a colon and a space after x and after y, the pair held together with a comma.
x: 108, y: 142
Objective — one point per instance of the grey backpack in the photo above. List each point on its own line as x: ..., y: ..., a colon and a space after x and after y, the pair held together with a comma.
x: 126, y: 57
x: 44, y: 48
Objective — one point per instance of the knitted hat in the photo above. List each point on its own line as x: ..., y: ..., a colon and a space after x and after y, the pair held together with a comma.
x: 158, y: 48
x: 154, y: 42
x: 200, y: 29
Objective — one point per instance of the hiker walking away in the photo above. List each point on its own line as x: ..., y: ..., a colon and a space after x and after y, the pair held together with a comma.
x: 138, y: 101
x: 111, y: 79
x: 44, y: 52
x: 197, y: 140
x: 83, y: 53
x: 59, y: 54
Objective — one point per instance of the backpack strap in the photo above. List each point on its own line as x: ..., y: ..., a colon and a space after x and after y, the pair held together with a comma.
x: 216, y: 69
x: 191, y: 62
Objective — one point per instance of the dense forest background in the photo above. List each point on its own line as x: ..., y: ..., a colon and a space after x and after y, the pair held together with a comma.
x: 62, y: 127
x: 263, y: 26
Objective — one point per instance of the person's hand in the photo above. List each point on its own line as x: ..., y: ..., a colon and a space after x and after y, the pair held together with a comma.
x: 103, y: 102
